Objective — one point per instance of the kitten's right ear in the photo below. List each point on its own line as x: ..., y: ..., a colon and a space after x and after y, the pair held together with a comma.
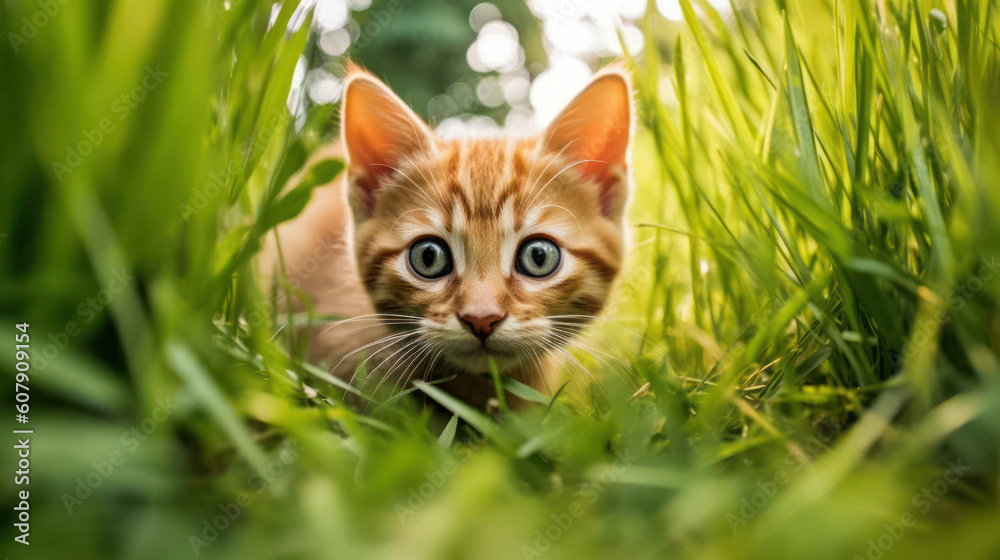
x: 378, y: 131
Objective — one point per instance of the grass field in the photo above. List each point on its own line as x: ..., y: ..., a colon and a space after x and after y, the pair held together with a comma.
x: 802, y: 361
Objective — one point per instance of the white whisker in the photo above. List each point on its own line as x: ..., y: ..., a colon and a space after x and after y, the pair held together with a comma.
x: 376, y: 368
x: 388, y: 340
x: 561, y: 171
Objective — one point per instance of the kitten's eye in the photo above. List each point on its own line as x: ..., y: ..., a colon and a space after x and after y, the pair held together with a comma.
x: 430, y: 258
x: 538, y: 258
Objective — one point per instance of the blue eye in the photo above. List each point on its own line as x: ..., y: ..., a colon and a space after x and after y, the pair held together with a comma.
x: 538, y: 258
x: 430, y: 258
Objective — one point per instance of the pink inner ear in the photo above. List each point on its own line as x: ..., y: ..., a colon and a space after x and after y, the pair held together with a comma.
x: 594, y: 129
x: 365, y: 191
x: 609, y: 195
x: 378, y: 131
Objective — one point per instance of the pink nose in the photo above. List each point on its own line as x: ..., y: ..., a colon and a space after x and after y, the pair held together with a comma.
x: 481, y: 325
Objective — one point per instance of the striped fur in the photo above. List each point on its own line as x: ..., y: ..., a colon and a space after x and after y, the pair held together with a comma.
x: 483, y: 196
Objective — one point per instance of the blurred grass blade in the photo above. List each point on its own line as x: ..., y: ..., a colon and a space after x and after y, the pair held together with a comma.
x: 199, y: 381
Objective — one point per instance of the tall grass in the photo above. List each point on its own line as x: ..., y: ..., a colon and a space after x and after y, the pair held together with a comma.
x: 801, y: 362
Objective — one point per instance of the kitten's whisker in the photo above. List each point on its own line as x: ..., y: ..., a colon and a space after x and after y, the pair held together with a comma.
x: 535, y: 362
x: 594, y: 318
x: 564, y: 209
x: 381, y: 349
x: 423, y: 175
x: 534, y: 183
x: 625, y: 376
x: 561, y: 171
x: 372, y: 317
x: 430, y: 367
x: 578, y: 340
x: 606, y: 320
x: 565, y: 341
x: 418, y: 136
x: 581, y: 366
x: 426, y: 211
x: 414, y: 365
x: 387, y: 373
x: 537, y: 357
x: 376, y: 368
x: 379, y: 316
x: 599, y: 318
x: 380, y: 324
x: 413, y: 361
x: 406, y: 355
x: 388, y: 340
x: 534, y: 161
x: 420, y: 190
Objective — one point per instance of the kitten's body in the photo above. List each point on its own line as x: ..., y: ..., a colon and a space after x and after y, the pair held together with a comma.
x: 318, y: 252
x: 479, y: 201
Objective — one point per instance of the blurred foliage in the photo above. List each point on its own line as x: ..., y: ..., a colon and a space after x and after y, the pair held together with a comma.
x: 424, y: 53
x: 812, y: 300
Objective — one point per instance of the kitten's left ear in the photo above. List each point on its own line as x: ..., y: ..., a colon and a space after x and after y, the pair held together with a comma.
x: 595, y: 130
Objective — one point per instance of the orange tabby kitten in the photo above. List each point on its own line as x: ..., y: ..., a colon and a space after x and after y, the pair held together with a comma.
x: 462, y: 251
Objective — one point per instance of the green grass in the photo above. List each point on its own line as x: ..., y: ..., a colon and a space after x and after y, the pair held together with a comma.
x: 812, y: 299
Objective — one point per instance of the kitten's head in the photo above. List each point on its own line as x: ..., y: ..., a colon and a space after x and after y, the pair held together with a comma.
x: 502, y: 248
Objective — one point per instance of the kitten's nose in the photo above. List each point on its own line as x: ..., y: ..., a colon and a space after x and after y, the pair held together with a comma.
x: 481, y: 325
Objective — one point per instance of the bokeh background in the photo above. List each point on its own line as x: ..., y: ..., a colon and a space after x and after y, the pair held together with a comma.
x: 801, y: 361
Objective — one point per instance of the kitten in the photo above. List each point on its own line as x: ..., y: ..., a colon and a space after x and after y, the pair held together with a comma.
x: 462, y: 251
